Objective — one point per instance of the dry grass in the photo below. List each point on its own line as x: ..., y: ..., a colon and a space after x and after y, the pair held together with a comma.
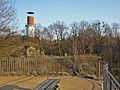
x: 27, y: 83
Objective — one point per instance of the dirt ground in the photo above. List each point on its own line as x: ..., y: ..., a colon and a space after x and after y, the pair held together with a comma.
x: 28, y: 83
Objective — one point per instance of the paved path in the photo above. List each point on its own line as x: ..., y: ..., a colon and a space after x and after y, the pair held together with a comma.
x: 66, y: 83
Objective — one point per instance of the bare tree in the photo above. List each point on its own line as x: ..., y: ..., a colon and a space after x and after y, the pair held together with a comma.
x: 7, y: 16
x: 60, y: 31
x: 38, y: 34
x: 115, y: 29
x: 83, y: 36
x: 74, y: 34
x: 51, y: 38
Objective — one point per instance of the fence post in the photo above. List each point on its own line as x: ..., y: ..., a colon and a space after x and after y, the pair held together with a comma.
x: 0, y: 65
x: 110, y: 83
x: 24, y: 65
x: 11, y: 64
x: 104, y: 80
x: 28, y: 66
x: 20, y: 64
x: 99, y: 69
x: 73, y: 66
x: 105, y: 84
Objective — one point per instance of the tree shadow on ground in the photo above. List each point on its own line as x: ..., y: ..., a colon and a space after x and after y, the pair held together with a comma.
x: 13, y: 87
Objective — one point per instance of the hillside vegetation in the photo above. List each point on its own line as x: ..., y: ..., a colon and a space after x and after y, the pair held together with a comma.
x: 16, y: 46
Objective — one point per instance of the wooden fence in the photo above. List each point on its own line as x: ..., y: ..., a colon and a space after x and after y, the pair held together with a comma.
x: 30, y: 65
x: 45, y: 66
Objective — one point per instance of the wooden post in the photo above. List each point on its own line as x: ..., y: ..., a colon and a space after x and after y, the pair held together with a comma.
x: 36, y: 64
x: 23, y: 65
x: 28, y: 65
x: 55, y: 66
x: 0, y: 64
x: 3, y: 64
x: 110, y: 83
x: 13, y: 63
x: 25, y: 61
x: 31, y: 65
x: 20, y: 64
x: 61, y: 67
x: 99, y: 69
x: 48, y: 67
x: 8, y: 65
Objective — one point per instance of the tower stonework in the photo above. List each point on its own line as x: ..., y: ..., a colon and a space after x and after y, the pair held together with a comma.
x: 30, y: 27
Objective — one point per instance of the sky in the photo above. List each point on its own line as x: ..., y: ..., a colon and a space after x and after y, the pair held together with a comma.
x: 48, y: 11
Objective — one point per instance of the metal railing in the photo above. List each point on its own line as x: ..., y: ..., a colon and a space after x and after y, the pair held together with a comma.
x: 109, y: 82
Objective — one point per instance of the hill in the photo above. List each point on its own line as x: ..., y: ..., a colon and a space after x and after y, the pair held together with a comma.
x: 18, y: 46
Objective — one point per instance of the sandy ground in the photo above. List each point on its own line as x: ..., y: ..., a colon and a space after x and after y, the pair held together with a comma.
x: 28, y: 83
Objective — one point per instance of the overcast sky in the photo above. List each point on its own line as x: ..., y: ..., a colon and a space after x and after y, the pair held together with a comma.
x: 48, y: 11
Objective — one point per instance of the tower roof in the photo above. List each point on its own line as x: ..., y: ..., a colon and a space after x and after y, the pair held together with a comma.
x: 30, y: 12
